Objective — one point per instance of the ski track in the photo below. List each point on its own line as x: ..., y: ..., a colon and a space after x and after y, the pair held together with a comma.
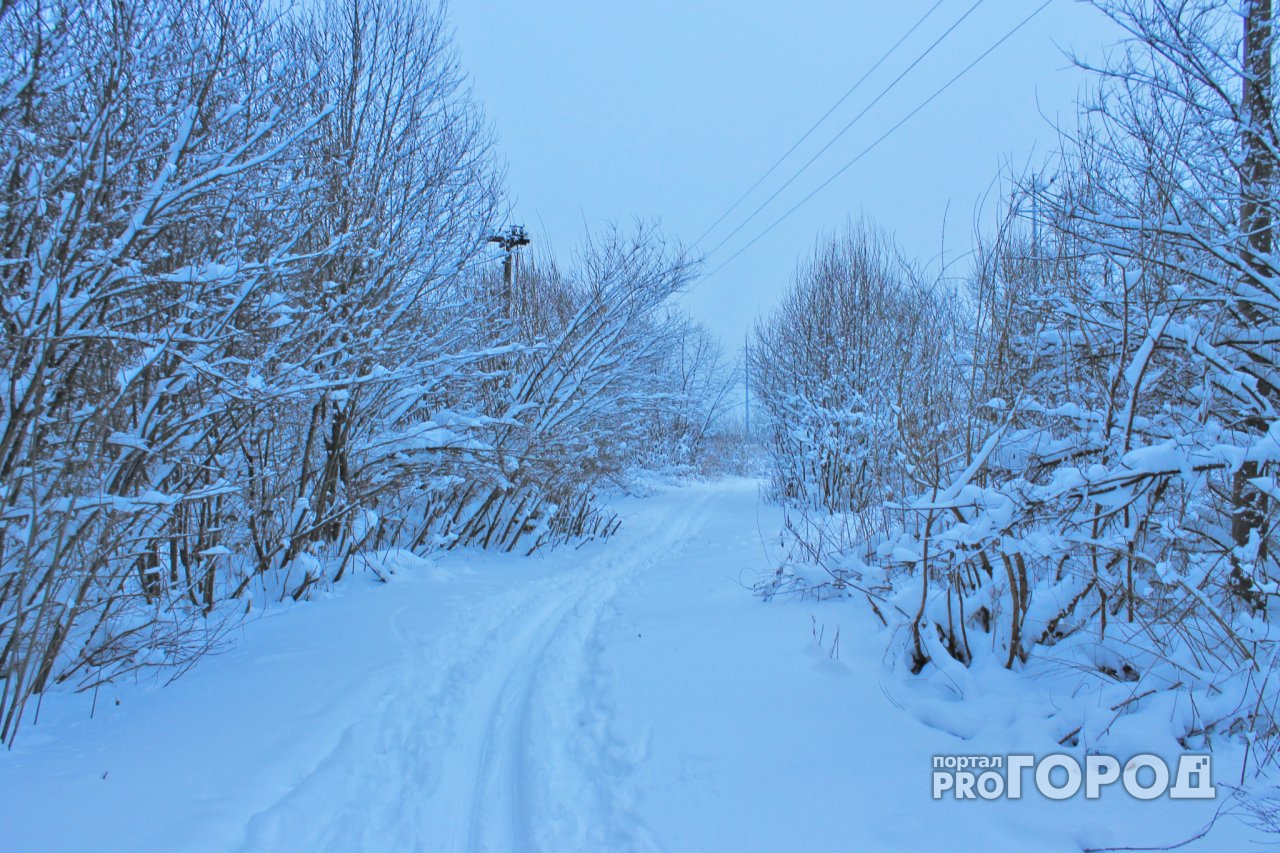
x: 523, y: 673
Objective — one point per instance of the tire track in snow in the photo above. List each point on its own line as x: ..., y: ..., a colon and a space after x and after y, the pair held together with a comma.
x: 442, y: 760
x: 499, y: 807
x: 373, y: 787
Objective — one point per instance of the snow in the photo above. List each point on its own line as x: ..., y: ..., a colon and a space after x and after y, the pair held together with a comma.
x: 625, y: 695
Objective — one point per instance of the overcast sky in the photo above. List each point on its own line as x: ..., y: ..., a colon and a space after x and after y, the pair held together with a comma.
x: 671, y: 109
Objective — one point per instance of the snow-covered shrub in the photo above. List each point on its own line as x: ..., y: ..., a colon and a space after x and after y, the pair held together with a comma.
x: 849, y: 372
x: 1113, y: 508
x: 151, y: 222
x: 700, y: 382
x: 246, y: 333
x: 401, y: 194
x: 571, y: 403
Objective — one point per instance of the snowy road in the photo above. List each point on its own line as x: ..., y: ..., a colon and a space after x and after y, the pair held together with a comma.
x: 622, y: 696
x: 488, y: 722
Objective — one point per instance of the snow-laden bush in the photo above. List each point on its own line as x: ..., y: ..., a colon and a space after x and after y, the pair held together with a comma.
x: 570, y: 406
x: 244, y: 338
x: 152, y: 222
x: 1109, y: 502
x: 854, y: 361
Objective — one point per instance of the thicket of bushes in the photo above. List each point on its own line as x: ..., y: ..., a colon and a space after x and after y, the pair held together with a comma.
x: 1076, y: 456
x: 253, y: 326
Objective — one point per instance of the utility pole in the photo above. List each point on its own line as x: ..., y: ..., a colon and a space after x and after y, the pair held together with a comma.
x: 1035, y: 231
x: 510, y: 241
x: 746, y: 380
x: 1257, y: 181
x: 1035, y: 217
x: 1037, y: 184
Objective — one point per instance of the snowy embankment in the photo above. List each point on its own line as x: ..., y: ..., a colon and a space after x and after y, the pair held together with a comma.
x: 624, y: 695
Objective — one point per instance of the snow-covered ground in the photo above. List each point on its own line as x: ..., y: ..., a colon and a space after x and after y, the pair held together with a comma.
x: 628, y: 695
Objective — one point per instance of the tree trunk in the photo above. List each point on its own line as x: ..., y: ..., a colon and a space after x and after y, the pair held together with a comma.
x: 1248, y: 509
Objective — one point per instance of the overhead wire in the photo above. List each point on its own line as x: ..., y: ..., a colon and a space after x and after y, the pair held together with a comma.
x: 883, y: 93
x: 848, y: 93
x: 882, y: 137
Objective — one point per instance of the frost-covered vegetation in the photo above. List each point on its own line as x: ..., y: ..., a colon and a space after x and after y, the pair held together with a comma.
x: 254, y: 325
x: 1069, y: 464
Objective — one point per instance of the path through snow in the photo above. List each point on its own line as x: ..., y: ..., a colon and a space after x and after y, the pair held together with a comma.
x: 630, y: 695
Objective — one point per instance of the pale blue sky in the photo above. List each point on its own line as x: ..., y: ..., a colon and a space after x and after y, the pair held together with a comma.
x: 670, y: 109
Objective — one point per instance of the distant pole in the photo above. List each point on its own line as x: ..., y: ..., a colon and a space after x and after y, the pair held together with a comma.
x: 510, y: 240
x: 746, y: 379
x: 1035, y: 225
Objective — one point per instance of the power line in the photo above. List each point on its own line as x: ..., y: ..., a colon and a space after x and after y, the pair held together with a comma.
x: 882, y: 137
x: 817, y: 123
x: 847, y: 127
